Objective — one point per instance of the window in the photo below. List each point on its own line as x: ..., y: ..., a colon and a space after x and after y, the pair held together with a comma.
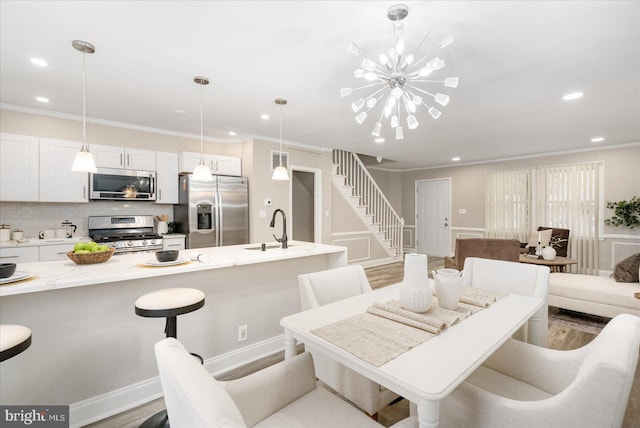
x: 566, y: 196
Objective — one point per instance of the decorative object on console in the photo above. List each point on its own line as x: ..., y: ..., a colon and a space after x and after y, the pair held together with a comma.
x: 397, y: 78
x: 548, y: 253
x: 448, y: 287
x: 83, y: 161
x: 559, y: 239
x: 201, y: 172
x: 415, y: 294
x: 280, y: 172
x: 626, y: 214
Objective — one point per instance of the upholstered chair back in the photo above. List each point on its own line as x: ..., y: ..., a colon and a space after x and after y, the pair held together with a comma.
x: 321, y: 288
x: 324, y: 287
x: 495, y: 249
x: 517, y: 278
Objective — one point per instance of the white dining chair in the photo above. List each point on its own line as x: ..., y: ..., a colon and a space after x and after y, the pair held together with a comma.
x: 527, y: 386
x: 318, y: 289
x: 516, y: 278
x: 281, y: 395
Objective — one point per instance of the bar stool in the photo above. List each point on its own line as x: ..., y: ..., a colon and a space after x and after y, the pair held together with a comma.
x: 168, y: 303
x: 13, y: 340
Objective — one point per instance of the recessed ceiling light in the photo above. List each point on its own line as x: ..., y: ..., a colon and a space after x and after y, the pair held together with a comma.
x: 573, y: 96
x: 179, y: 111
x: 42, y: 99
x: 379, y: 140
x: 232, y: 133
x: 39, y: 62
x: 264, y: 117
x: 597, y: 139
x: 455, y: 158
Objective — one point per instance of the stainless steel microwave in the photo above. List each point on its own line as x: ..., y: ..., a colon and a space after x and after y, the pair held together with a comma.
x: 118, y: 184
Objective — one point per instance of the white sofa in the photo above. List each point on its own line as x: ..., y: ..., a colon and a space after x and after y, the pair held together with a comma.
x: 597, y: 295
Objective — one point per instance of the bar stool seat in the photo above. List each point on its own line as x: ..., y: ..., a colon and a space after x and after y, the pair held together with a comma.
x: 168, y: 303
x: 13, y: 340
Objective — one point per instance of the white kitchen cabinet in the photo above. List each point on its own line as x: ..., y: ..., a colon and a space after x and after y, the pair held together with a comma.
x: 166, y: 178
x: 123, y: 157
x: 219, y: 164
x: 55, y: 252
x: 170, y: 242
x: 19, y: 255
x: 18, y: 168
x: 227, y: 165
x: 57, y: 182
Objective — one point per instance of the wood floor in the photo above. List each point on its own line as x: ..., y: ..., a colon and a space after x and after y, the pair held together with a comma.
x: 567, y: 330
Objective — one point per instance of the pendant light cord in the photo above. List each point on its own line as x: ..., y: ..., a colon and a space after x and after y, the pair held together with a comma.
x: 84, y: 105
x: 280, y: 156
x: 201, y: 126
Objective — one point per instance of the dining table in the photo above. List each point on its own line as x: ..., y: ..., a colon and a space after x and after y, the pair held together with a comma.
x: 428, y: 372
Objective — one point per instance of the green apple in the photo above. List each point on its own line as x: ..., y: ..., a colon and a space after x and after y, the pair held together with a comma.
x: 104, y: 247
x: 83, y: 252
x: 78, y: 246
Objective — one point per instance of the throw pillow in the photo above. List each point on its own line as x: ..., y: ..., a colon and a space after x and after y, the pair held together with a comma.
x: 545, y: 238
x: 627, y: 270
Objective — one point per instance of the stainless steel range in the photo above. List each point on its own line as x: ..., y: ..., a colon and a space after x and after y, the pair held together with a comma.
x: 127, y: 233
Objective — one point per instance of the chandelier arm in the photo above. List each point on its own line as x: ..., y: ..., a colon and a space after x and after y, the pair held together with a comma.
x: 370, y: 86
x: 374, y: 94
x: 421, y: 90
x: 426, y: 36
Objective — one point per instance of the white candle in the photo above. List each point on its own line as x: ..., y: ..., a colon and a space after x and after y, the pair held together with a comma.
x: 539, y: 237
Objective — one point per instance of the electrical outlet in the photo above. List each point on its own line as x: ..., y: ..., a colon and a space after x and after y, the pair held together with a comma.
x: 242, y: 333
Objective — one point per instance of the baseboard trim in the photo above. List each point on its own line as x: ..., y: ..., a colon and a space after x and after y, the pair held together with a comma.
x: 111, y: 403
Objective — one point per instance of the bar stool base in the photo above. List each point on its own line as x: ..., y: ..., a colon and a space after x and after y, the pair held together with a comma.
x: 159, y: 420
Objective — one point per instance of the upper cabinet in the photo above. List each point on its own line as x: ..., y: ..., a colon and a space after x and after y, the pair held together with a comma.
x: 221, y: 165
x: 120, y: 157
x: 57, y: 182
x: 18, y: 168
x: 167, y: 178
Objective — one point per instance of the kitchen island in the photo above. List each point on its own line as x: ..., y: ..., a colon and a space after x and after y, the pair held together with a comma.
x: 92, y: 352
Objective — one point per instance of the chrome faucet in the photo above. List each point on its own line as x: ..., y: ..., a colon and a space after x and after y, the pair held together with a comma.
x: 283, y: 240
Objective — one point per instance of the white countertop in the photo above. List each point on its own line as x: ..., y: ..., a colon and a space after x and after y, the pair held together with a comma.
x: 65, y: 274
x: 36, y: 242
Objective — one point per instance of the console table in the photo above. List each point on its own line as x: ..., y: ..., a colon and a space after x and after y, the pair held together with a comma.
x: 556, y: 265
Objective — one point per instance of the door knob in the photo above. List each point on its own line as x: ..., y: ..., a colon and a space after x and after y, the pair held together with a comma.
x: 446, y: 224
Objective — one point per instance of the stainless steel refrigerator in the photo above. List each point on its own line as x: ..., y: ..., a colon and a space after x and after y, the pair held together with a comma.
x: 213, y: 213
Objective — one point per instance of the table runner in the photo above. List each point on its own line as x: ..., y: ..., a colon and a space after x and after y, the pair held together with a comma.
x: 387, y: 330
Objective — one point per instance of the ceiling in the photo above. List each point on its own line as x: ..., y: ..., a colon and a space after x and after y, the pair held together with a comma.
x: 515, y: 61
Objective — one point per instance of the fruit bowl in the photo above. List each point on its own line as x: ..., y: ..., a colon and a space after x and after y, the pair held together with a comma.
x: 91, y: 258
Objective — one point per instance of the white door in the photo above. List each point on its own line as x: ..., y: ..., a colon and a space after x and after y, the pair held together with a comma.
x: 433, y: 217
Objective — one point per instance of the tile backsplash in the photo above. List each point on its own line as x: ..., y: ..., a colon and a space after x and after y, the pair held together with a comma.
x: 32, y: 217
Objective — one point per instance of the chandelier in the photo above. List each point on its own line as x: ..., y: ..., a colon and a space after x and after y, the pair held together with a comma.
x: 396, y: 81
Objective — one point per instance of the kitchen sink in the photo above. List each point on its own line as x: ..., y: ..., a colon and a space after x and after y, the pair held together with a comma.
x: 267, y: 247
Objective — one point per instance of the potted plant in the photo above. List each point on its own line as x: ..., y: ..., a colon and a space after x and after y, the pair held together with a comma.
x: 625, y: 213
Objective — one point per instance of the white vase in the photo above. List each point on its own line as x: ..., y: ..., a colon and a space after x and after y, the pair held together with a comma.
x: 548, y: 253
x: 448, y: 287
x: 415, y: 292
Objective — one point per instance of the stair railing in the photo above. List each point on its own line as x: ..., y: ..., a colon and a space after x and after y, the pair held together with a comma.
x: 371, y: 197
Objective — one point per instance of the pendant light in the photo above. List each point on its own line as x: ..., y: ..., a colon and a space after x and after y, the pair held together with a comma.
x: 280, y: 173
x: 201, y: 172
x: 83, y: 162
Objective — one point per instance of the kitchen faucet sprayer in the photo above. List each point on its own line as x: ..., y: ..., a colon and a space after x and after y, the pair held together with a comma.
x: 284, y: 239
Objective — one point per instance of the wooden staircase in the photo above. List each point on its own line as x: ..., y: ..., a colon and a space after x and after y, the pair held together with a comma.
x: 353, y: 181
